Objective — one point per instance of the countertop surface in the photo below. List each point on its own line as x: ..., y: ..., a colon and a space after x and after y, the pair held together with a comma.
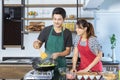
x: 57, y: 76
x: 28, y: 60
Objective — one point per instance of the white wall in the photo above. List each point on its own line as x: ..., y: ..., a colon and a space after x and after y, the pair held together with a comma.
x: 107, y: 22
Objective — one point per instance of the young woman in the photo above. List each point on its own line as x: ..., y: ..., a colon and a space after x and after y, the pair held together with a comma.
x: 87, y: 47
x: 58, y: 40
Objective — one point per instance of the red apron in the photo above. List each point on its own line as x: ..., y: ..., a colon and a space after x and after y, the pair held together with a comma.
x: 87, y: 57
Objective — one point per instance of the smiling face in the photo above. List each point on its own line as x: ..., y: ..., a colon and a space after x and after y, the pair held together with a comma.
x: 80, y: 30
x: 57, y: 20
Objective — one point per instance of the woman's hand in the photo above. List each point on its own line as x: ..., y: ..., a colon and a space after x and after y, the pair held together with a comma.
x: 73, y: 70
x: 36, y: 44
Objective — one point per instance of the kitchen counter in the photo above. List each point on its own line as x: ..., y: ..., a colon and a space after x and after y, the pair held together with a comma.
x: 17, y: 67
x: 69, y: 62
x: 14, y: 71
x: 110, y: 63
x: 14, y: 68
x: 57, y: 76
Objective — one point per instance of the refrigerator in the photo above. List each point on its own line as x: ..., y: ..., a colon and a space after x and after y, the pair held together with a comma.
x: 12, y: 26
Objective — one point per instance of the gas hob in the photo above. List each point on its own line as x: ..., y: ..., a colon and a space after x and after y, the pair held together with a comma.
x: 39, y: 75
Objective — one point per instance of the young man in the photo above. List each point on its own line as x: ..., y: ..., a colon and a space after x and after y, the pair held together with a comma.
x: 58, y: 40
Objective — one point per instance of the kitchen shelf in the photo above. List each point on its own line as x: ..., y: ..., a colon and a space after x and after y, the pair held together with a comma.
x: 33, y: 31
x: 28, y: 6
x: 40, y: 31
x: 53, y: 5
x: 13, y: 5
x: 89, y: 18
x: 47, y: 18
x: 12, y: 46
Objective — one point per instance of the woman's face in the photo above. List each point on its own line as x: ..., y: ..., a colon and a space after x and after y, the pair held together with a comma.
x: 57, y: 20
x: 80, y: 30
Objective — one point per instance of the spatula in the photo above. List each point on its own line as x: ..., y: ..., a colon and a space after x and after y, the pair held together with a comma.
x: 43, y: 55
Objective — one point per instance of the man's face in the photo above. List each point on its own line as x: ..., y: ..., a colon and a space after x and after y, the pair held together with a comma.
x: 57, y: 20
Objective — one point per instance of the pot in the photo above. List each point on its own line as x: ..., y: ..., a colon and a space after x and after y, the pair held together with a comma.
x: 40, y: 65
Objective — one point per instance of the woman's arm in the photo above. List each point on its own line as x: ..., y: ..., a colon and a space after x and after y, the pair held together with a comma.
x: 74, y: 59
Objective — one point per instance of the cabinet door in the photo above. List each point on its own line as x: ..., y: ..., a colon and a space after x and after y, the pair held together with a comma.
x: 12, y: 32
x: 113, y: 68
x: 12, y: 26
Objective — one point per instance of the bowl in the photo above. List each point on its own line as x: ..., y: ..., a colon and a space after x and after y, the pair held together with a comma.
x: 110, y: 76
x: 85, y: 77
x: 91, y: 77
x: 79, y: 77
x: 98, y: 77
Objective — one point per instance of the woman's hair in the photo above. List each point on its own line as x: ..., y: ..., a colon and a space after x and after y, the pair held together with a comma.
x: 82, y: 23
x: 60, y: 11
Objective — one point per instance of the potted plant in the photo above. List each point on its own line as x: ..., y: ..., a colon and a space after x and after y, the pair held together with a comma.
x: 113, y: 44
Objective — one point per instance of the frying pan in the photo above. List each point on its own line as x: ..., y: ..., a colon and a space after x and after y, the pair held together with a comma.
x: 37, y: 61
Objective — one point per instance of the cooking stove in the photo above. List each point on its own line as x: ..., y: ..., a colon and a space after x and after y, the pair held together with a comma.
x: 39, y: 75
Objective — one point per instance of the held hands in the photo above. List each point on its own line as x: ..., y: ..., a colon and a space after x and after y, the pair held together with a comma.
x: 36, y: 44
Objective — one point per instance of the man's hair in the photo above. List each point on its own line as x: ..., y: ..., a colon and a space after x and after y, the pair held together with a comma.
x: 60, y: 11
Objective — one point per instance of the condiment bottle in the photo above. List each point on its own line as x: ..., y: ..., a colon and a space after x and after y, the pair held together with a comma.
x: 119, y: 72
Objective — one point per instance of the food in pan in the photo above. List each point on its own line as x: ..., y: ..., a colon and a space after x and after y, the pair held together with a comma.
x: 46, y: 65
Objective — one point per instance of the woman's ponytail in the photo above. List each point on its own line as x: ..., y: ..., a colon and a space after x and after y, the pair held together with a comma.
x: 90, y: 30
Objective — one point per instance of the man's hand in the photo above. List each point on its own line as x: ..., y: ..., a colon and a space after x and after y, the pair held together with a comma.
x: 55, y: 55
x: 36, y: 44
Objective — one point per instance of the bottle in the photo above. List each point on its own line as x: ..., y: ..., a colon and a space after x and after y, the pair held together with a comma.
x: 119, y: 72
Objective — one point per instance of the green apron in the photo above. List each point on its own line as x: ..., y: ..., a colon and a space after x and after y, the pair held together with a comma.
x: 56, y: 44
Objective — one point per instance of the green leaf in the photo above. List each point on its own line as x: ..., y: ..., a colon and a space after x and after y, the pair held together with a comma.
x: 113, y: 41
